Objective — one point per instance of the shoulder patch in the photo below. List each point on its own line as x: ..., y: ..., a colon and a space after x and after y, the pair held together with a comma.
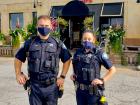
x: 59, y: 42
x: 105, y: 56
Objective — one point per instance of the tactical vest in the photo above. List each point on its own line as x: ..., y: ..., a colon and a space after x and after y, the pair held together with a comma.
x: 44, y: 57
x: 86, y: 66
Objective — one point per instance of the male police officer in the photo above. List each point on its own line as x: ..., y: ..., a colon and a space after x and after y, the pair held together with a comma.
x: 43, y: 53
x: 87, y: 63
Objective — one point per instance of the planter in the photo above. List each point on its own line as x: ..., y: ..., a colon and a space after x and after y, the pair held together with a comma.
x: 1, y: 43
x: 16, y: 48
x: 14, y: 51
x: 115, y: 58
x: 138, y: 67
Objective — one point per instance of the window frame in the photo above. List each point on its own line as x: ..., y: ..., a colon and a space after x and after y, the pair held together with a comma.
x: 56, y: 14
x: 10, y: 14
x: 0, y: 23
x: 122, y: 5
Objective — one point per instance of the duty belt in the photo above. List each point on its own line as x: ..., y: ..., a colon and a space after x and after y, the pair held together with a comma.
x: 92, y: 89
x: 46, y: 82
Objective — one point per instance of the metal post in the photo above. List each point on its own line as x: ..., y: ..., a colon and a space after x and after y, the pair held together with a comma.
x: 93, y: 24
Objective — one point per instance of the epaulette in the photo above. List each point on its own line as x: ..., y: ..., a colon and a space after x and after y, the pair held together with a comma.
x: 97, y: 50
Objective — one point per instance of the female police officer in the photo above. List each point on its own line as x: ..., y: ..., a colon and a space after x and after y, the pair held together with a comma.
x: 87, y: 63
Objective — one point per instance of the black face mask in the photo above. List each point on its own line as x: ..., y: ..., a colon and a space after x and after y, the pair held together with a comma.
x: 44, y: 31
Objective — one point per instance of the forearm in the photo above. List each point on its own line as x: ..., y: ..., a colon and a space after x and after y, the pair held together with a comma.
x: 65, y: 67
x: 109, y: 74
x: 17, y: 64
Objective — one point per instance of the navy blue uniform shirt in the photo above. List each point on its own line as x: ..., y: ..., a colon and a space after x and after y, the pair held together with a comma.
x: 102, y: 56
x: 21, y: 54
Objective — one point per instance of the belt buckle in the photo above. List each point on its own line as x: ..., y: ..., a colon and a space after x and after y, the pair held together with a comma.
x: 47, y: 82
x: 86, y: 87
x: 52, y: 79
x: 82, y: 87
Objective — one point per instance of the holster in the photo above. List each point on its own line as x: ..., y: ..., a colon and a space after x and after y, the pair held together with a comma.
x: 60, y: 91
x: 100, y: 89
x: 26, y: 85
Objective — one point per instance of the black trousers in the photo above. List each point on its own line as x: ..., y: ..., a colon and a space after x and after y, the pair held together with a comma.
x: 43, y: 95
x: 84, y: 98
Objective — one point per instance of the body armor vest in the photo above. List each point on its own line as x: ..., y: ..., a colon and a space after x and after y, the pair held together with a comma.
x: 43, y: 57
x: 86, y: 66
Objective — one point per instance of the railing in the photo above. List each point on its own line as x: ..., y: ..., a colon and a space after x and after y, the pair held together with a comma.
x: 131, y: 53
x: 132, y: 48
x: 6, y: 51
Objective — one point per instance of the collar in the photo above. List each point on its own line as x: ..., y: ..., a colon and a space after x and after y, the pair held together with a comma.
x: 49, y: 40
x: 91, y: 51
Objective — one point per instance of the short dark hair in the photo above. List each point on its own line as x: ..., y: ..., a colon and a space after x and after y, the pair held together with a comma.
x: 45, y: 17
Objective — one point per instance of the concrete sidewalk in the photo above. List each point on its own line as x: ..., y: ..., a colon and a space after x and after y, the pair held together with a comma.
x: 122, y: 89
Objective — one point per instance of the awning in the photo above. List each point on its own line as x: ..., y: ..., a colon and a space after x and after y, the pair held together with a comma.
x: 138, y: 1
x: 112, y: 9
x: 75, y: 8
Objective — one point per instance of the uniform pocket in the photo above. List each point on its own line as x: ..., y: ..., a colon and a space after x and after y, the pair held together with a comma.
x: 34, y: 51
x: 48, y: 63
x: 33, y: 65
x: 51, y: 48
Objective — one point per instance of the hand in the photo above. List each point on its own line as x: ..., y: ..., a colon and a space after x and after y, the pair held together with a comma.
x: 60, y: 82
x: 21, y: 78
x: 97, y: 82
x: 72, y: 77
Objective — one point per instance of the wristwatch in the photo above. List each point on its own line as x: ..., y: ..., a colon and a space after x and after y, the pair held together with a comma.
x: 102, y: 80
x: 62, y: 76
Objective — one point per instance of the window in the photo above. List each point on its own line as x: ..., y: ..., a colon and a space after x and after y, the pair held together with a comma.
x: 56, y: 11
x: 16, y: 20
x: 105, y: 22
x: 112, y: 9
x: 116, y: 21
x: 0, y: 22
x: 34, y: 17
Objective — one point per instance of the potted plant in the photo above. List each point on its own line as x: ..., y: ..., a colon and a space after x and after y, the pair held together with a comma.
x: 88, y: 23
x: 62, y: 22
x: 114, y: 35
x: 15, y: 38
x: 114, y: 38
x: 17, y: 35
x: 31, y: 30
x: 2, y: 38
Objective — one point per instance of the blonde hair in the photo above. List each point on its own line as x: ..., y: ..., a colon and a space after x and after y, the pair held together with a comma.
x: 89, y: 31
x: 45, y: 17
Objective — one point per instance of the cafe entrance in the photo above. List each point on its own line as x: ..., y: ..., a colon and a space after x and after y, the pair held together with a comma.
x: 74, y: 12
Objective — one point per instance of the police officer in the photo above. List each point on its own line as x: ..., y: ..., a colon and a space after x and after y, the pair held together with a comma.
x: 43, y: 53
x: 87, y: 63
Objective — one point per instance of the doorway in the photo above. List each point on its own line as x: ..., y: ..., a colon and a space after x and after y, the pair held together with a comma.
x: 76, y: 28
x: 75, y: 12
x: 72, y: 34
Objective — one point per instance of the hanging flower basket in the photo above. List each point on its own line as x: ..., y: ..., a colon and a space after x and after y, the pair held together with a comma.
x: 88, y: 23
x: 62, y: 22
